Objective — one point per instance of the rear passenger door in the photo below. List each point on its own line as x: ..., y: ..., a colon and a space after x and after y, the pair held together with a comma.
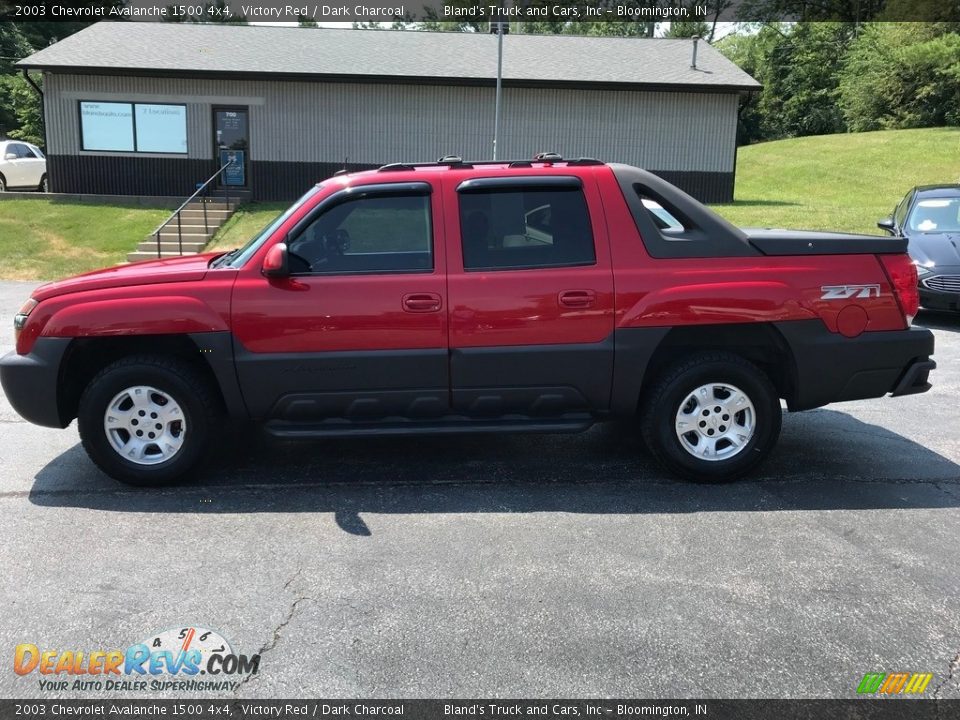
x: 530, y: 295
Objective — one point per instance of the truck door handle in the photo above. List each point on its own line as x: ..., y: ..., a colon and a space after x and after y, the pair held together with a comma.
x: 422, y: 302
x: 577, y: 298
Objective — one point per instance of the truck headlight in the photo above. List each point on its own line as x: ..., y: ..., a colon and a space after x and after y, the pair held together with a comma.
x: 20, y: 319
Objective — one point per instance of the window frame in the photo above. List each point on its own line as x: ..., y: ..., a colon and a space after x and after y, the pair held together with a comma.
x: 361, y: 192
x: 133, y: 121
x: 525, y: 183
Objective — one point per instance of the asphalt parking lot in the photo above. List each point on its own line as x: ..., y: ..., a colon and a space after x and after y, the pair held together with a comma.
x: 509, y: 566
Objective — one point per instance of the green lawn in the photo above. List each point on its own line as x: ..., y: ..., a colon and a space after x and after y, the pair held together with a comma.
x: 838, y: 182
x: 246, y: 222
x: 46, y: 239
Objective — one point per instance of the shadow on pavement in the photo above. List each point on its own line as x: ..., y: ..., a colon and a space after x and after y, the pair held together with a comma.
x: 826, y: 460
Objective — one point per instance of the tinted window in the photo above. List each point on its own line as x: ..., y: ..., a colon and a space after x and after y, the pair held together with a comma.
x: 20, y: 150
x: 512, y: 229
x: 37, y: 153
x: 936, y: 215
x: 364, y: 235
x: 662, y: 217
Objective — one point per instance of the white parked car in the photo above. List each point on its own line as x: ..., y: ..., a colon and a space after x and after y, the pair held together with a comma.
x: 22, y: 166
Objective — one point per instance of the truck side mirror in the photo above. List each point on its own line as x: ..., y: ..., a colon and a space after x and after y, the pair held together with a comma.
x: 886, y: 224
x: 275, y: 264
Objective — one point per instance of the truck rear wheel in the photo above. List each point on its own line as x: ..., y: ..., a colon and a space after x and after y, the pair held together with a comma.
x: 711, y: 418
x: 148, y: 420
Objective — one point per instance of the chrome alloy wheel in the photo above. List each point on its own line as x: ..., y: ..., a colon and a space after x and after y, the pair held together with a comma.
x: 144, y: 425
x: 716, y: 421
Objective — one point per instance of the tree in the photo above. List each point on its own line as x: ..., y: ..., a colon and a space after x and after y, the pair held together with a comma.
x: 799, y: 67
x: 27, y: 113
x: 902, y: 75
x: 687, y: 30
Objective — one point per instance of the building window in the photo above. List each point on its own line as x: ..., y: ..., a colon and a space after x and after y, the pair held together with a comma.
x: 366, y: 235
x: 525, y: 229
x: 133, y: 127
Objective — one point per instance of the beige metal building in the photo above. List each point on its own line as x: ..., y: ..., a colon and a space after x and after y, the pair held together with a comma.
x: 155, y: 108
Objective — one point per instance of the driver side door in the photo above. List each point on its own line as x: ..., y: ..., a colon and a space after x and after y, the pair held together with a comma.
x: 358, y: 331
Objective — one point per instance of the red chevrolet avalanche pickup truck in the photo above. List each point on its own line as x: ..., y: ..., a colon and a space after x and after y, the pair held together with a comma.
x: 540, y: 296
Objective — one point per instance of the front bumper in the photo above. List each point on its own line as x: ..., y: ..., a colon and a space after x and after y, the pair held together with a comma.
x: 941, y: 290
x: 934, y: 300
x: 31, y: 381
x: 832, y: 368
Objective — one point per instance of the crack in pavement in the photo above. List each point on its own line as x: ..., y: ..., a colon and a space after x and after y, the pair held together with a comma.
x: 278, y: 630
x: 951, y: 669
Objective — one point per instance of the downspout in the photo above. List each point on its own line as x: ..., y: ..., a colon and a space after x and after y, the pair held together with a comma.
x: 43, y: 109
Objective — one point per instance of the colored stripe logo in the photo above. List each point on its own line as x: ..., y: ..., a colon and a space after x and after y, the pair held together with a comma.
x: 894, y: 683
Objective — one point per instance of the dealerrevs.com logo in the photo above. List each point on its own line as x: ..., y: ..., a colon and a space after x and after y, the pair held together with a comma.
x: 181, y: 659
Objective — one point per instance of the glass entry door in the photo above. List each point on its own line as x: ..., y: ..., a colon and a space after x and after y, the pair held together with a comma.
x: 231, y: 128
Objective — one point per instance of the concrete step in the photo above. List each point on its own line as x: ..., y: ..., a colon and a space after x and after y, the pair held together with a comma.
x: 195, y: 217
x: 193, y: 233
x: 211, y: 209
x: 211, y: 205
x: 143, y: 255
x: 148, y: 246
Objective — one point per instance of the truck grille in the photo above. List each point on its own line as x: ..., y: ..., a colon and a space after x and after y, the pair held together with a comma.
x: 944, y: 283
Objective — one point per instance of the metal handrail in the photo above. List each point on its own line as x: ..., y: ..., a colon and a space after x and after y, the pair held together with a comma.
x: 176, y: 213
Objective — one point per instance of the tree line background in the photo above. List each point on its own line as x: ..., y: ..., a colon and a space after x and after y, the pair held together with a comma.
x: 818, y: 77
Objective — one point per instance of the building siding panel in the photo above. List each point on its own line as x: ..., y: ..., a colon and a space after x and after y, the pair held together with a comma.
x: 310, y: 126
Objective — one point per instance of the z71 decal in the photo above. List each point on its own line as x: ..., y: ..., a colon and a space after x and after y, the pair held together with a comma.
x: 845, y: 292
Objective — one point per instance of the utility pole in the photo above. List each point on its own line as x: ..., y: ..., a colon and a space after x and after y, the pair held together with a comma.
x: 501, y: 28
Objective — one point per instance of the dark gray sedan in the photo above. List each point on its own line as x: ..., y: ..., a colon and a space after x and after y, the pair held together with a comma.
x: 929, y: 216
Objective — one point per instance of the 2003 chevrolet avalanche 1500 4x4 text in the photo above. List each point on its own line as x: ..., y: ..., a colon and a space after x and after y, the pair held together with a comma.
x: 541, y: 296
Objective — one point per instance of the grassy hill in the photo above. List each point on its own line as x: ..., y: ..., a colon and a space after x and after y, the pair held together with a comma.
x: 838, y: 182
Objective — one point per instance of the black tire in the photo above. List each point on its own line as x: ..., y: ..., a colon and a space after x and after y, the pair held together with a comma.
x: 201, y: 409
x: 3, y: 184
x: 662, y: 403
x: 42, y: 187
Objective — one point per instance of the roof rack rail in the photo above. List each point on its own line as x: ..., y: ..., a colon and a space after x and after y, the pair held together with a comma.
x: 446, y: 160
x: 454, y: 161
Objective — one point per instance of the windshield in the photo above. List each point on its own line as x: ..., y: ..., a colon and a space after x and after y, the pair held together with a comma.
x: 237, y: 258
x: 935, y: 215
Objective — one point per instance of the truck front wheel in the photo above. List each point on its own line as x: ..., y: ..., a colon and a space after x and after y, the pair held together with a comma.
x: 148, y: 420
x: 713, y: 417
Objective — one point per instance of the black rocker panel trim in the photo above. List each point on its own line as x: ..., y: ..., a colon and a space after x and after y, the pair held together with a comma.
x: 532, y: 380
x: 305, y: 387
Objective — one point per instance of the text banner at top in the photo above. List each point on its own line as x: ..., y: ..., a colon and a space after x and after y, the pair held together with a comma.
x: 480, y: 12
